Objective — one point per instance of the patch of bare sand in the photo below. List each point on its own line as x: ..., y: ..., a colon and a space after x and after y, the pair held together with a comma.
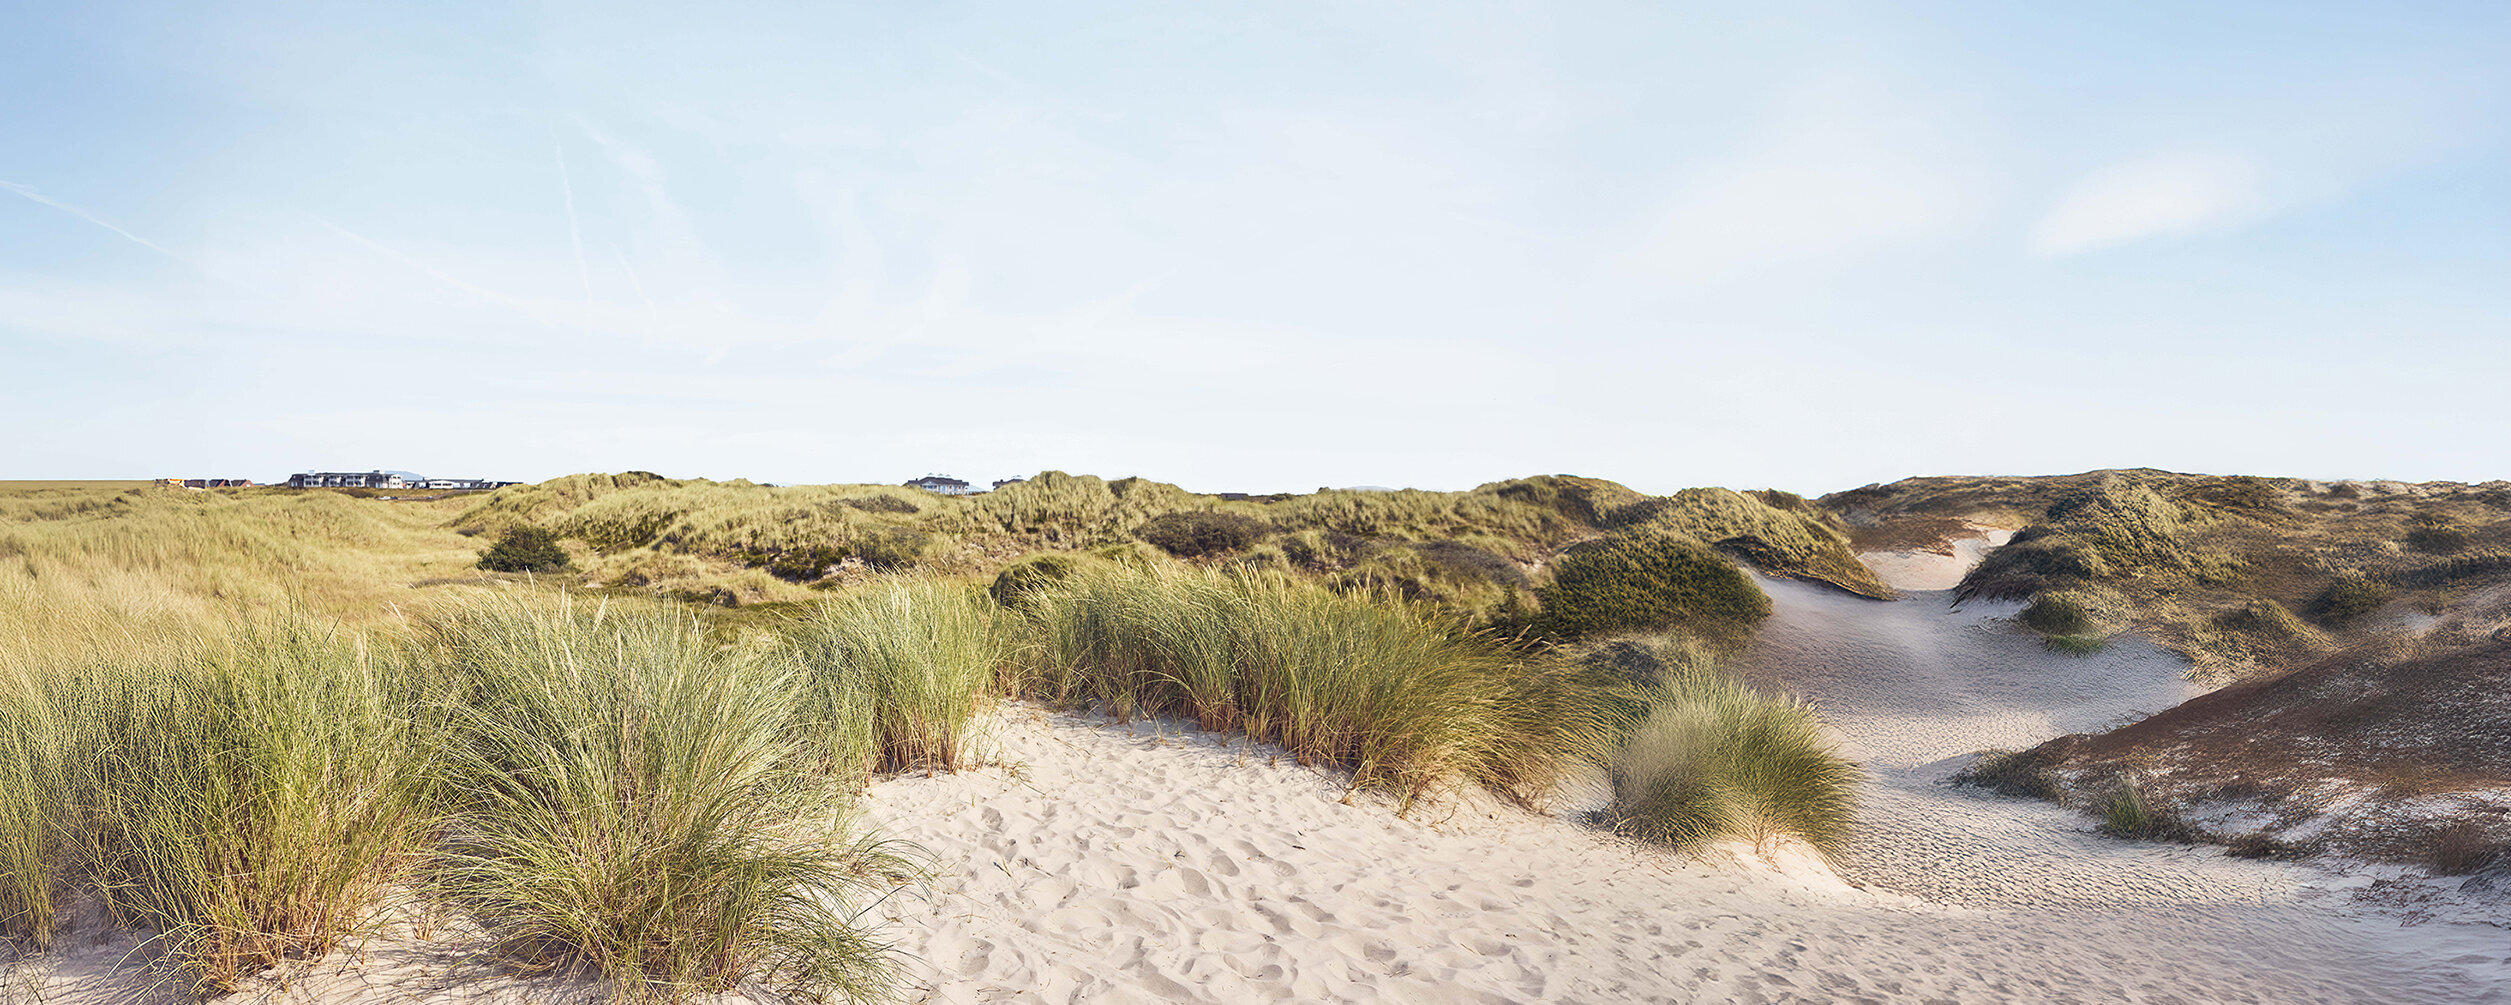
x: 1152, y: 863
x: 1940, y: 568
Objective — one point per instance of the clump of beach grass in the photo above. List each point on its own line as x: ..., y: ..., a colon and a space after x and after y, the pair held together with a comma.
x: 1715, y: 759
x: 628, y: 805
x: 251, y: 802
x: 893, y: 674
x: 30, y: 788
x: 1410, y: 702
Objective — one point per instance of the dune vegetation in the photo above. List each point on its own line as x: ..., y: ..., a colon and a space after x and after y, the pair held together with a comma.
x: 264, y: 724
x: 2241, y: 574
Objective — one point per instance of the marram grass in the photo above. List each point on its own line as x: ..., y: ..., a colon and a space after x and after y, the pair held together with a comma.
x: 627, y: 803
x: 252, y: 802
x: 1409, y: 702
x: 892, y: 676
x: 1717, y: 760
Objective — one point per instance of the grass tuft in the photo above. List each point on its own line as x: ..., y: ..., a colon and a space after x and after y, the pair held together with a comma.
x: 1715, y: 759
x: 1411, y: 702
x: 904, y: 665
x: 252, y: 801
x: 629, y: 806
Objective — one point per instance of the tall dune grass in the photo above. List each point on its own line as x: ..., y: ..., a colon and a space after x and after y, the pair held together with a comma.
x: 628, y: 804
x: 1715, y: 759
x: 251, y: 802
x: 1408, y: 702
x: 30, y: 802
x: 894, y: 674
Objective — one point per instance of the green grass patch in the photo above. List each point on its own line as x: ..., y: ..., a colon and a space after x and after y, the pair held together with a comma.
x: 1650, y: 580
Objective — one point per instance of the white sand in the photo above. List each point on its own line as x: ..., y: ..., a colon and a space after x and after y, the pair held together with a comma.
x: 1936, y: 570
x: 1151, y: 862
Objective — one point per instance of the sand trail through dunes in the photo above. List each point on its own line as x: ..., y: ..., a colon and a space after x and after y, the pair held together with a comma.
x: 1149, y: 862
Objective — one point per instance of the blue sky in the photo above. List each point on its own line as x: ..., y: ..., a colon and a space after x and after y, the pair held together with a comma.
x: 1260, y: 247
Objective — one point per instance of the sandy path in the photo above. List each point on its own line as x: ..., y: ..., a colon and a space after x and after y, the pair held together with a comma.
x: 1149, y: 863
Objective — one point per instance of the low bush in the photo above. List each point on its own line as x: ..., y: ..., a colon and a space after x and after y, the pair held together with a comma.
x: 2437, y: 534
x: 2350, y: 596
x: 1650, y: 581
x: 892, y: 548
x: 2057, y: 614
x: 2013, y: 773
x: 1012, y: 586
x: 1715, y: 759
x: 525, y: 548
x: 905, y: 664
x: 1410, y: 702
x: 1197, y: 533
x: 627, y: 805
x: 882, y: 504
x: 798, y: 565
x: 2076, y: 645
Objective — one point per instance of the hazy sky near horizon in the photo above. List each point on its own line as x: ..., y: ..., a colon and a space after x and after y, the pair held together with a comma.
x: 1256, y: 246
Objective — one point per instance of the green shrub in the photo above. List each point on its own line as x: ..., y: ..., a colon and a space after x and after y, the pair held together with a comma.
x: 627, y: 805
x: 2057, y: 614
x: 917, y: 656
x: 251, y: 800
x: 1196, y: 533
x: 2076, y: 645
x: 2350, y: 596
x: 891, y: 549
x: 1715, y: 759
x: 1791, y: 540
x: 1646, y: 581
x: 1410, y: 702
x: 1012, y: 586
x: 525, y: 548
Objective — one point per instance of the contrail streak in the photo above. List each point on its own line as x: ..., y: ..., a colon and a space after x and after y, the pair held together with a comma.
x: 575, y: 233
x: 510, y: 303
x: 29, y: 192
x: 650, y: 309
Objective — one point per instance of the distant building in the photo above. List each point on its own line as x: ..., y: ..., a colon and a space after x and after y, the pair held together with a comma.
x: 347, y: 480
x: 1000, y: 482
x: 944, y: 484
x: 464, y: 484
x: 205, y: 483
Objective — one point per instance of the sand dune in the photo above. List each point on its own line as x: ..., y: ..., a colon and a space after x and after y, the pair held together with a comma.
x: 1141, y: 863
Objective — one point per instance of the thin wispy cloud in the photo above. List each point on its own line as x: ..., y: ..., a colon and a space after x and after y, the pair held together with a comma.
x: 29, y: 192
x: 2174, y: 194
x: 575, y: 231
x: 517, y: 304
x: 1841, y: 167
